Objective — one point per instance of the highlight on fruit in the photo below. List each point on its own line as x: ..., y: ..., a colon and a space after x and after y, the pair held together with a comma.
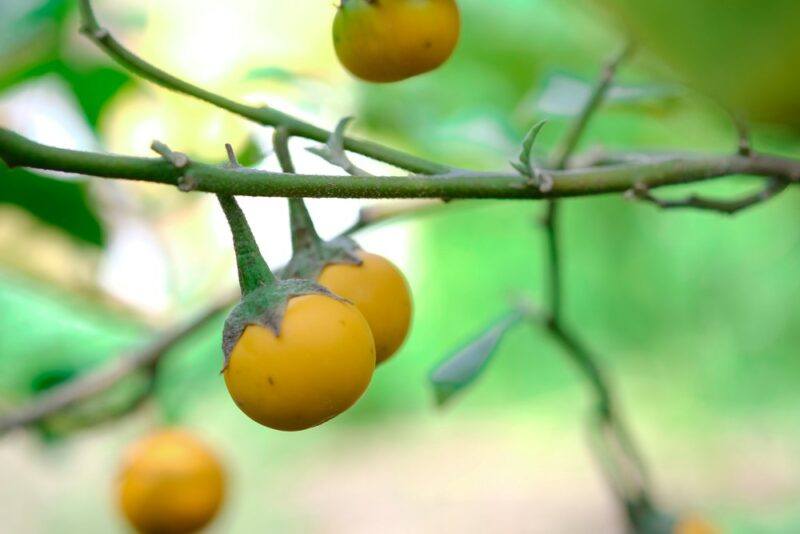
x: 391, y: 40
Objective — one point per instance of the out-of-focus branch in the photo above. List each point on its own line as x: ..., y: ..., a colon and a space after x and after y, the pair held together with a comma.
x: 569, y: 143
x: 622, y: 464
x: 90, y: 385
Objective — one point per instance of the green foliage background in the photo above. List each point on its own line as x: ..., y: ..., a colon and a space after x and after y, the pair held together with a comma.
x: 696, y: 315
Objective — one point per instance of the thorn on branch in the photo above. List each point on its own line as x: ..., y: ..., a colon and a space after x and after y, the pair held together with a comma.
x: 179, y: 160
x: 745, y: 147
x: 232, y: 160
x: 333, y: 152
x: 528, y: 167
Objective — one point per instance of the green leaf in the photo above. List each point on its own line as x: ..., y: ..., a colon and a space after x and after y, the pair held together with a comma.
x: 63, y: 204
x: 566, y: 94
x: 464, y: 366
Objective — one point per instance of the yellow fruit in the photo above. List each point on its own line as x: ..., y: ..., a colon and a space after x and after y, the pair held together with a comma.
x: 695, y: 525
x: 379, y: 290
x: 391, y: 40
x: 318, y: 367
x: 170, y: 483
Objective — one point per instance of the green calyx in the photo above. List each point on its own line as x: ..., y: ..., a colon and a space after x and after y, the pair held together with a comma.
x: 264, y: 298
x: 311, y: 254
x: 266, y: 306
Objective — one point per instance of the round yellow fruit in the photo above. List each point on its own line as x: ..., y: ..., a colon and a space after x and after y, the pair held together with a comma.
x: 319, y: 365
x: 391, y: 40
x: 380, y: 291
x: 170, y: 483
x: 695, y: 525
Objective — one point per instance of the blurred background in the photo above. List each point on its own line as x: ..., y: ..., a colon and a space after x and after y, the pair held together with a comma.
x: 694, y: 314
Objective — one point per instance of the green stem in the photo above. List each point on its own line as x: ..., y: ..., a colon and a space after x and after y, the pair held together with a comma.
x: 578, y: 126
x: 563, y: 153
x: 16, y: 150
x: 262, y: 115
x: 253, y: 270
x: 633, y: 490
x: 554, y: 285
x: 304, y: 234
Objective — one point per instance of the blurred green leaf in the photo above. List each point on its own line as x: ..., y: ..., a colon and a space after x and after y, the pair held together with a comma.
x: 251, y: 153
x: 63, y: 204
x: 462, y: 368
x: 50, y: 378
x: 273, y: 73
x: 30, y: 35
x: 566, y: 94
x: 20, y: 19
x: 92, y: 87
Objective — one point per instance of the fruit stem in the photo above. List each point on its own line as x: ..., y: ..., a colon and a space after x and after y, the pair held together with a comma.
x: 304, y: 234
x: 253, y: 270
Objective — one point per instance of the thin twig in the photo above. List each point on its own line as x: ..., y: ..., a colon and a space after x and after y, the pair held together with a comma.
x: 561, y: 158
x: 771, y: 189
x: 576, y: 130
x: 621, y: 461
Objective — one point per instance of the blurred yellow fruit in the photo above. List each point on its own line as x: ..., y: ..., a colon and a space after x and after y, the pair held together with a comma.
x: 391, y: 40
x: 695, y: 525
x: 170, y: 483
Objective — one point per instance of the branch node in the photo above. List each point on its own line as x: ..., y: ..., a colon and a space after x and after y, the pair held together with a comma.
x: 179, y: 160
x: 187, y: 183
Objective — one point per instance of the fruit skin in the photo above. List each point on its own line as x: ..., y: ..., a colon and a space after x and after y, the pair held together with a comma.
x: 379, y: 289
x: 319, y: 365
x: 743, y: 53
x: 695, y: 525
x: 391, y: 40
x: 170, y: 483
